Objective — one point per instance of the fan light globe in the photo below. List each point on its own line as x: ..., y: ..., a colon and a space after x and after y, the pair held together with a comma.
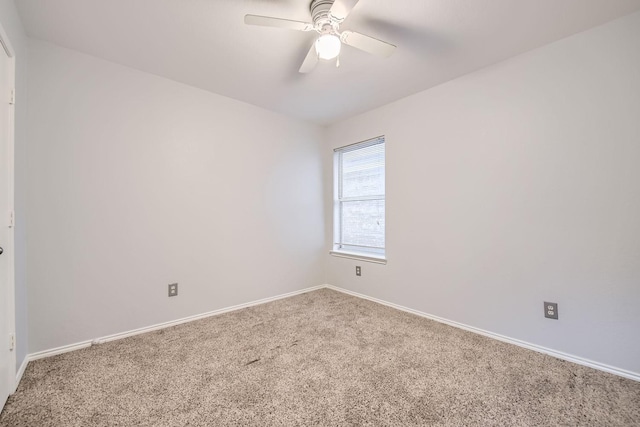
x: 328, y: 46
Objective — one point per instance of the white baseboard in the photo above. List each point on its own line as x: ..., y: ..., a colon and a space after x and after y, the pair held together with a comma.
x: 20, y: 373
x: 201, y: 316
x: 558, y: 354
x: 58, y: 350
x: 120, y: 335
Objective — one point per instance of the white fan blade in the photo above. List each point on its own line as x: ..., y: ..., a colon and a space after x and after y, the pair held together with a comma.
x: 366, y: 43
x: 310, y: 61
x: 341, y: 8
x: 267, y: 21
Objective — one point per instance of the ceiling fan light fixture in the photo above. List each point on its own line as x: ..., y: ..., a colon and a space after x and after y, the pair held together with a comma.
x: 326, y: 17
x: 328, y: 46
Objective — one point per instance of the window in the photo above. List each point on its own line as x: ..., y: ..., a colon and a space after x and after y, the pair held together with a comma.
x: 359, y: 206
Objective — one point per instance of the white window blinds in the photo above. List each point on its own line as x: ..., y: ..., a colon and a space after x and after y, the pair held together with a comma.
x: 360, y: 198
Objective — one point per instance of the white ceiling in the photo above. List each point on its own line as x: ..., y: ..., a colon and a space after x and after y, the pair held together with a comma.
x: 204, y: 43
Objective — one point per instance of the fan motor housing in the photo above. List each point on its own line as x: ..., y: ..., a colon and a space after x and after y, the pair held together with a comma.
x: 320, y: 13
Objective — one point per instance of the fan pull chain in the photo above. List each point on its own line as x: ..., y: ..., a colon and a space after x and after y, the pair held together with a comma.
x: 338, y: 61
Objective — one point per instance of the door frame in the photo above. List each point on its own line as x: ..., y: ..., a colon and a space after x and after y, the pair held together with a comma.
x: 10, y: 252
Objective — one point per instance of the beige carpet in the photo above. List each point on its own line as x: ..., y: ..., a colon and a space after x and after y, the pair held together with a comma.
x: 321, y: 358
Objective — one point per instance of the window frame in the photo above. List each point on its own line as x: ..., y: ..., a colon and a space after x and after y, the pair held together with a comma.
x: 339, y: 248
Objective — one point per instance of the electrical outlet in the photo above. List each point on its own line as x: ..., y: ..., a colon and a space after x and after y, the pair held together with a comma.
x: 551, y: 310
x: 358, y: 271
x: 173, y: 289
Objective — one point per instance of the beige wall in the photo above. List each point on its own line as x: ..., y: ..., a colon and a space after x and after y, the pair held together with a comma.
x: 136, y: 181
x: 513, y: 185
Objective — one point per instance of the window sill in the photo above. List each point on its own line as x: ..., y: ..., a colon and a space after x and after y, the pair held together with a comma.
x: 359, y: 257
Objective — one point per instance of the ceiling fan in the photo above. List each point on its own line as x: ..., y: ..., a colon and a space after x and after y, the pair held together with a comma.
x: 326, y: 16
